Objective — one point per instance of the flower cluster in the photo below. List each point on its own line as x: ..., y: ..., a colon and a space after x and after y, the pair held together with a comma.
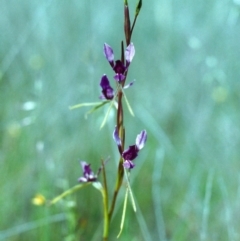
x: 118, y: 67
x: 132, y: 152
x: 128, y: 155
x: 88, y: 174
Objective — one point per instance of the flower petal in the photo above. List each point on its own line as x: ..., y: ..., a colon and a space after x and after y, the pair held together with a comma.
x: 131, y: 153
x: 129, y: 85
x: 128, y: 164
x: 119, y: 77
x: 108, y: 52
x: 129, y: 53
x: 104, y: 83
x: 119, y: 67
x: 141, y: 139
x: 108, y: 93
x: 107, y: 90
x: 82, y: 179
x: 85, y: 166
x: 116, y: 137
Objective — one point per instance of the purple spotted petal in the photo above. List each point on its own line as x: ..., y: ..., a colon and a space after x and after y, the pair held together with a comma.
x: 131, y: 153
x: 108, y: 52
x: 107, y: 90
x: 141, y: 140
x: 129, y: 53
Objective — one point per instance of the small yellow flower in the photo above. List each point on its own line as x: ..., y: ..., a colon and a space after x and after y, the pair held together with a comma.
x: 38, y: 200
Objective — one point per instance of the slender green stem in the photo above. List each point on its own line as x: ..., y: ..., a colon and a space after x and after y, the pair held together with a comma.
x: 68, y: 192
x: 117, y: 188
x: 105, y: 204
x: 106, y: 217
x: 120, y: 172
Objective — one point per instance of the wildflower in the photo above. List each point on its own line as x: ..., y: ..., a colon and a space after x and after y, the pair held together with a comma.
x: 38, y: 200
x: 132, y: 152
x: 107, y: 90
x: 118, y: 66
x: 88, y: 174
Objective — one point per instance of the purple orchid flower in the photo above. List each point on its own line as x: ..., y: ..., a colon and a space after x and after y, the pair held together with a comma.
x: 118, y: 66
x: 107, y: 90
x: 132, y: 152
x: 88, y: 174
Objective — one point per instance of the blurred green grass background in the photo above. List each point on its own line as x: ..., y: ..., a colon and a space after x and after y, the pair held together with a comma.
x: 186, y: 182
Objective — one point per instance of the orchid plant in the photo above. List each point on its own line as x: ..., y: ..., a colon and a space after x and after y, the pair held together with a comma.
x: 113, y: 97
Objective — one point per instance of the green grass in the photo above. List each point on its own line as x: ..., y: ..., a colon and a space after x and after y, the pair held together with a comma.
x: 186, y: 95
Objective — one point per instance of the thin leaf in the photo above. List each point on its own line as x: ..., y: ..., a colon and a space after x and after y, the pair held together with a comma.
x: 96, y: 107
x: 107, y: 114
x: 68, y: 192
x: 84, y: 104
x: 130, y: 191
x: 128, y: 105
x: 124, y: 213
x: 138, y: 8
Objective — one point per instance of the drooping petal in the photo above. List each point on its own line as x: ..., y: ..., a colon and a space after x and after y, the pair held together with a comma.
x: 129, y: 53
x: 104, y: 83
x: 141, y: 139
x: 128, y: 164
x: 107, y: 90
x: 116, y: 137
x: 131, y: 153
x: 108, y: 52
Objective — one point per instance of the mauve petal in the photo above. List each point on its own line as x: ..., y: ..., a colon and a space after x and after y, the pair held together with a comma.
x: 108, y: 93
x: 104, y: 83
x: 116, y: 137
x: 108, y: 52
x: 141, y: 139
x: 128, y: 164
x: 119, y: 77
x: 129, y: 52
x: 83, y: 165
x: 88, y: 174
x: 107, y: 90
